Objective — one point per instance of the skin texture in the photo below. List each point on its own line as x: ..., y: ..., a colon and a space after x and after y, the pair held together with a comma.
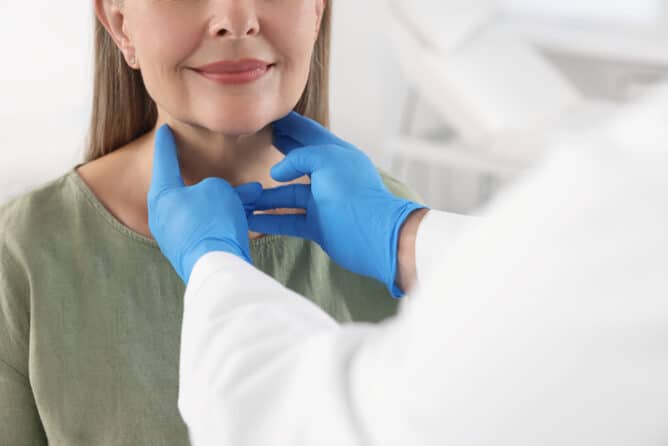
x: 221, y: 130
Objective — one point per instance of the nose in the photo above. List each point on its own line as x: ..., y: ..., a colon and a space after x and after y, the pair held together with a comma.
x: 235, y: 19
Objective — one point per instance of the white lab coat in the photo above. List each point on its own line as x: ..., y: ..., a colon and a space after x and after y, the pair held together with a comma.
x: 544, y: 324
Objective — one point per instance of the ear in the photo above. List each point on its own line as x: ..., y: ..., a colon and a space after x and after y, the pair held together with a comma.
x: 112, y: 16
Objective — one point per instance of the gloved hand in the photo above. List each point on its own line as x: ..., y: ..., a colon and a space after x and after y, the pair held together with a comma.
x: 188, y: 222
x: 349, y: 211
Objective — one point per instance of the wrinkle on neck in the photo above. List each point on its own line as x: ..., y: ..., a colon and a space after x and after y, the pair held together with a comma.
x: 237, y: 159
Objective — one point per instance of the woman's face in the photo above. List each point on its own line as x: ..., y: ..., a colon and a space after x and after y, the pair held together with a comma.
x: 173, y: 39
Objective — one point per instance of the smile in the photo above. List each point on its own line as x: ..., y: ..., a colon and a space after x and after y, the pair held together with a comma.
x: 241, y: 72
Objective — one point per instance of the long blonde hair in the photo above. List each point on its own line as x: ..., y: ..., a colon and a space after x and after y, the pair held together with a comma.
x: 123, y: 110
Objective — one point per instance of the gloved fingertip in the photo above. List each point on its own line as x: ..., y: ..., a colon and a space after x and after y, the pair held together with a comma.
x: 164, y: 131
x: 249, y: 192
x: 253, y: 187
x: 256, y: 190
x: 283, y: 172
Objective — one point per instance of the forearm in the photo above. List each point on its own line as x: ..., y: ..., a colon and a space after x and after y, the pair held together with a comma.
x: 406, y: 257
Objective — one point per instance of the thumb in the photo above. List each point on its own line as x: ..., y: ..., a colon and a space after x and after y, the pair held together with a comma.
x: 299, y: 162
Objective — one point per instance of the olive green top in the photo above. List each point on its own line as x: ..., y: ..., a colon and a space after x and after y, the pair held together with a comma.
x: 90, y: 319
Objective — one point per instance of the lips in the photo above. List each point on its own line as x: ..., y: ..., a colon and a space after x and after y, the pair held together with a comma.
x: 227, y: 67
x: 235, y: 72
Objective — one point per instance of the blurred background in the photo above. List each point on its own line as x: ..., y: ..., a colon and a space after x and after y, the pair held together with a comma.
x: 453, y: 97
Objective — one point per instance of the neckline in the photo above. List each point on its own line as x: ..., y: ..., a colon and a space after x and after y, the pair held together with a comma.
x: 126, y: 231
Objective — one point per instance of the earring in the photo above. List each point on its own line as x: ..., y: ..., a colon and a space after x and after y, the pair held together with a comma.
x: 132, y: 61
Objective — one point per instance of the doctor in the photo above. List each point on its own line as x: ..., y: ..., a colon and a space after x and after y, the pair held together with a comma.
x: 544, y: 324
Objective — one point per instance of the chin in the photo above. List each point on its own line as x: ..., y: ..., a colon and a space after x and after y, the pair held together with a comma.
x: 239, y: 123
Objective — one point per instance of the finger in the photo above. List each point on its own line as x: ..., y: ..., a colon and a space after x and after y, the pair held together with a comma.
x: 249, y: 192
x: 299, y: 162
x: 288, y: 225
x: 294, y: 196
x: 304, y: 131
x: 166, y: 170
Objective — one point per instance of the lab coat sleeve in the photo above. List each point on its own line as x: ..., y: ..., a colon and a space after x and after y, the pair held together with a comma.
x: 437, y: 234
x: 546, y: 325
x: 260, y: 364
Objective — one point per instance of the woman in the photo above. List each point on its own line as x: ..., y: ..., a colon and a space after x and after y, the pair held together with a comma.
x: 90, y: 311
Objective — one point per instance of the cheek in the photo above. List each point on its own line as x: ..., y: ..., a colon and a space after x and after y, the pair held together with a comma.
x: 162, y: 43
x: 293, y: 37
x: 165, y: 34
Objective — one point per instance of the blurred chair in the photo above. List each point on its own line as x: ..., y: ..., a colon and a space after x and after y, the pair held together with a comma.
x: 500, y: 96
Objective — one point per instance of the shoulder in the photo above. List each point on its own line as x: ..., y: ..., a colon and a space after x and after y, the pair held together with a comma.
x: 34, y: 206
x: 398, y: 188
x: 35, y: 214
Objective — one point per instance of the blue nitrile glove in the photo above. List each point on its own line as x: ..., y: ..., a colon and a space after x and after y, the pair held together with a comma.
x: 349, y: 211
x: 188, y: 222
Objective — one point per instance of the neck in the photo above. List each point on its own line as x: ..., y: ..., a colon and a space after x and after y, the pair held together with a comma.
x: 237, y: 159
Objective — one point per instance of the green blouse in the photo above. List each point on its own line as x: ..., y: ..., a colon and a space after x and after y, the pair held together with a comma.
x: 90, y: 319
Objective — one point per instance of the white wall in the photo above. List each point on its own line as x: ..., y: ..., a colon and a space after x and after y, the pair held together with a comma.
x: 367, y: 88
x: 44, y: 86
x: 636, y: 12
